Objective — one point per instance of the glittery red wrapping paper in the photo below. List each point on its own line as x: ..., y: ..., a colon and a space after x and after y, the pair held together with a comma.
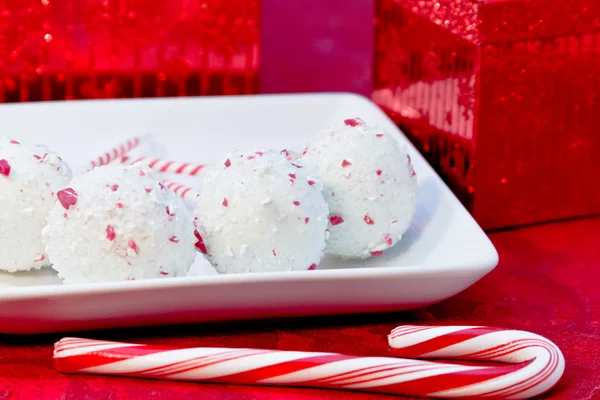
x: 546, y: 282
x: 501, y: 97
x: 81, y: 49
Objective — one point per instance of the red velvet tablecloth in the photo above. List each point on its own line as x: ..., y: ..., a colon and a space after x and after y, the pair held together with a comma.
x: 548, y: 282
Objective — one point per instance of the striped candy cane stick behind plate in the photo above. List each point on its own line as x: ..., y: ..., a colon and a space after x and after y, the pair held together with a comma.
x: 331, y: 370
x: 118, y: 151
x: 184, y: 168
x: 159, y: 165
x: 183, y: 191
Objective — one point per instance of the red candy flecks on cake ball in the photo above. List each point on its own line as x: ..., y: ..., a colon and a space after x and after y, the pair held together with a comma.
x: 4, y: 167
x: 67, y: 198
x: 259, y: 212
x: 30, y: 177
x: 372, y: 195
x: 107, y: 226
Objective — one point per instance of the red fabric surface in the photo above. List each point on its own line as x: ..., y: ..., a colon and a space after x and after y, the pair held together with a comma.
x: 547, y: 283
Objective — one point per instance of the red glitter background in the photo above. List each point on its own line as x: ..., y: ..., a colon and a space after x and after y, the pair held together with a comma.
x: 501, y: 97
x: 81, y: 49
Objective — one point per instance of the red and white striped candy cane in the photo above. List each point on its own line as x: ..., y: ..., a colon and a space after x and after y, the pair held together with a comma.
x: 117, y: 152
x: 183, y: 191
x: 159, y: 165
x: 539, y: 364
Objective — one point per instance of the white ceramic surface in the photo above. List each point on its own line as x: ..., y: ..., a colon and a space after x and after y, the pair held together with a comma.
x: 443, y: 253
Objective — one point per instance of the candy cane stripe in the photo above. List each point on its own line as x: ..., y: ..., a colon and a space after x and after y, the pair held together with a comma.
x: 116, y: 152
x: 430, y: 332
x: 265, y: 373
x: 269, y: 362
x: 176, y: 366
x: 499, y: 352
x: 534, y: 364
x: 434, y: 385
x: 502, y: 390
x: 401, y: 380
x: 359, y: 373
x: 196, y: 170
x: 182, y: 191
x: 85, y: 346
x: 181, y: 168
x: 166, y: 166
x: 202, y: 362
x: 527, y: 384
x: 397, y: 375
x: 342, y: 365
x: 150, y: 359
x: 188, y: 364
x: 79, y: 359
x: 429, y: 347
x: 71, y: 341
x: 482, y: 387
x: 409, y: 329
x: 78, y: 345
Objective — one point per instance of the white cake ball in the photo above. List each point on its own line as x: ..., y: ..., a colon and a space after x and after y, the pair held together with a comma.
x: 117, y: 223
x: 30, y: 176
x: 258, y: 212
x: 369, y: 184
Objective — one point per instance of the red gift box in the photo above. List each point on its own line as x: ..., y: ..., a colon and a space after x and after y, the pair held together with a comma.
x: 501, y: 97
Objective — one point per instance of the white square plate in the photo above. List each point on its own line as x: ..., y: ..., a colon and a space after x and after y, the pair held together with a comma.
x: 443, y: 253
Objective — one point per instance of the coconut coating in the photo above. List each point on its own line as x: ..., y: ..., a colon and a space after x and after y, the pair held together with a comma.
x: 30, y: 177
x: 258, y: 212
x: 117, y: 223
x: 369, y: 184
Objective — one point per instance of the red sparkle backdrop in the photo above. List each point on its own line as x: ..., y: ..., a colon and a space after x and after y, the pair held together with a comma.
x: 79, y: 49
x: 501, y: 97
